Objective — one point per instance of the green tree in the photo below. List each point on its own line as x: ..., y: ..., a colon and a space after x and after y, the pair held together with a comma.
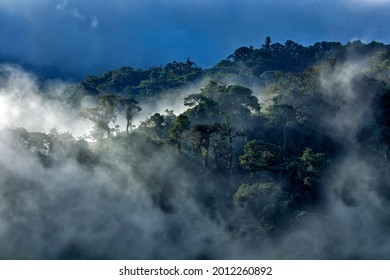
x: 153, y: 125
x: 201, y: 138
x: 261, y: 156
x: 283, y: 116
x: 312, y: 161
x: 131, y: 108
x: 225, y: 107
x: 267, y: 202
x: 181, y: 124
x: 102, y: 116
x: 314, y: 165
x: 204, y: 109
x: 158, y: 125
x: 267, y: 42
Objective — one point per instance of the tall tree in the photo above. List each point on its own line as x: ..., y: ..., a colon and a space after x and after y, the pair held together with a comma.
x: 201, y: 135
x: 284, y: 116
x: 131, y: 108
x: 181, y: 124
x: 267, y: 43
x: 102, y: 115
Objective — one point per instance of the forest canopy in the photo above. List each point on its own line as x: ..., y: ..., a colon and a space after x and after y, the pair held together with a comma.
x: 279, y: 152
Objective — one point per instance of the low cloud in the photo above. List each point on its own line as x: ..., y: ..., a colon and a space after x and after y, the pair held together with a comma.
x: 136, y: 200
x: 25, y: 103
x: 114, y: 210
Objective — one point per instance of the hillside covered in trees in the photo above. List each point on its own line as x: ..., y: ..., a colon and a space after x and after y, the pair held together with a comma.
x: 280, y: 152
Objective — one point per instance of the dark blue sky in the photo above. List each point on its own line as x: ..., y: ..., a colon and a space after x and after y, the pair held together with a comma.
x: 80, y: 37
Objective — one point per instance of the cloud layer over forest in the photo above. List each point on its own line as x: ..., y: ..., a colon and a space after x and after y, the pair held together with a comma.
x: 131, y: 198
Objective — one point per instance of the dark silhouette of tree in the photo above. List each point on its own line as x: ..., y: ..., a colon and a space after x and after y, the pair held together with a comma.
x: 284, y: 116
x: 181, y: 124
x: 131, y: 108
x: 102, y: 116
x: 267, y: 43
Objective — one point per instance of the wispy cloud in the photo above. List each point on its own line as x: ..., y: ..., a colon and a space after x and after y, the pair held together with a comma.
x: 76, y: 13
x: 62, y: 6
x: 94, y: 22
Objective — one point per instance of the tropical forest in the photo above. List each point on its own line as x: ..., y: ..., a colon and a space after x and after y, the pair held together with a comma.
x: 279, y: 151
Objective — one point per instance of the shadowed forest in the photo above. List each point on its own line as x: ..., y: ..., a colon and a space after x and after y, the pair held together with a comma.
x: 277, y: 152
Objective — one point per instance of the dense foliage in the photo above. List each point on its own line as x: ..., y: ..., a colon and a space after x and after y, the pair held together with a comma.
x: 256, y: 167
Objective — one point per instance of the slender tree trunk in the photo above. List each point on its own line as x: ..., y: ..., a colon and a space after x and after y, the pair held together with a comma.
x: 284, y: 141
x: 179, y: 146
x: 230, y: 137
x: 230, y: 150
x: 206, y: 147
x: 284, y: 137
x: 129, y: 125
